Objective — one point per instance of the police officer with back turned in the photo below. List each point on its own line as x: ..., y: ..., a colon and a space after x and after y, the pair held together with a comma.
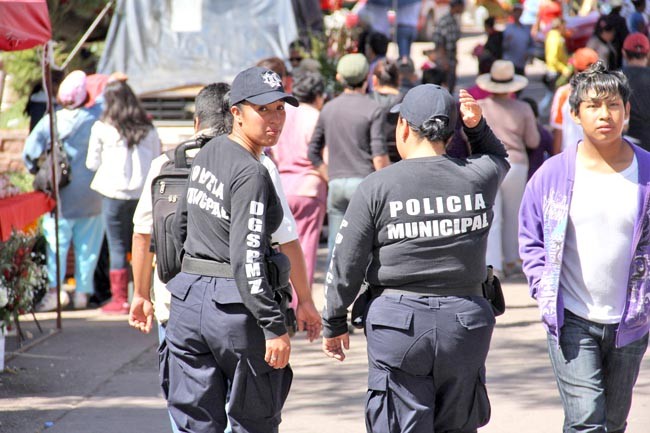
x: 417, y: 232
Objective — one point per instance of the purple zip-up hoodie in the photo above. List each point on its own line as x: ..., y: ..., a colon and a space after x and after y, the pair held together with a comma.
x: 543, y: 219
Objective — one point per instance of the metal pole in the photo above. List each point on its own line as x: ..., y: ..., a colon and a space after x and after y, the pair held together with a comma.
x: 87, y: 34
x: 47, y: 76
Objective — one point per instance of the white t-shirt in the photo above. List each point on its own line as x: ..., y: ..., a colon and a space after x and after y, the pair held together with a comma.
x: 598, y: 245
x: 143, y: 223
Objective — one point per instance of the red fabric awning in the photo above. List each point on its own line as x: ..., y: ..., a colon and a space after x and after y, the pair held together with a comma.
x: 23, y: 24
x: 18, y: 211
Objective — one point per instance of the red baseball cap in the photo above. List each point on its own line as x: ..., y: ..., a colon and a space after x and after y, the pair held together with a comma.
x: 637, y: 43
x: 583, y: 58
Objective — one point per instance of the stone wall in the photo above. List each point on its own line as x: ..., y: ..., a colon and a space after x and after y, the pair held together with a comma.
x: 11, y: 149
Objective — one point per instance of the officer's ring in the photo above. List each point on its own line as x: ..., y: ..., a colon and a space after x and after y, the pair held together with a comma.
x: 275, y: 358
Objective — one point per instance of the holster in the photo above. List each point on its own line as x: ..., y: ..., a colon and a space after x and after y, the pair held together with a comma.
x: 278, y: 270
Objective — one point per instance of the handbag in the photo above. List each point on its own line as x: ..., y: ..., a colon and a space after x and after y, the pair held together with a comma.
x: 43, y: 177
x: 493, y: 292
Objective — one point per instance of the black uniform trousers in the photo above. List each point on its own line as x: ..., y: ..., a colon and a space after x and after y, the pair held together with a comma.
x: 213, y: 343
x: 426, y: 357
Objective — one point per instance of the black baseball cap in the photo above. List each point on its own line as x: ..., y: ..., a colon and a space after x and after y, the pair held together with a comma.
x: 427, y: 101
x: 259, y: 86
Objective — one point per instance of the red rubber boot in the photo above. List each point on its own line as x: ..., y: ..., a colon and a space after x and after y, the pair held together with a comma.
x: 119, y: 303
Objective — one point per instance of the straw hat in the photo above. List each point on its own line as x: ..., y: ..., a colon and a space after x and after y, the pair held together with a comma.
x: 502, y: 78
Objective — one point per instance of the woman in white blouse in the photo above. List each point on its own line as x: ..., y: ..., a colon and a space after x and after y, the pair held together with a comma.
x: 122, y: 145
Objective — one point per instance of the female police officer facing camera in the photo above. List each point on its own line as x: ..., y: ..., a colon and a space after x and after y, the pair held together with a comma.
x: 417, y: 232
x: 225, y: 325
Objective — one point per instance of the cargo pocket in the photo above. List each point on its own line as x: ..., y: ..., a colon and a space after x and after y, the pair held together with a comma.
x: 376, y: 400
x: 180, y: 285
x: 163, y: 367
x: 388, y: 332
x: 479, y: 414
x: 259, y: 391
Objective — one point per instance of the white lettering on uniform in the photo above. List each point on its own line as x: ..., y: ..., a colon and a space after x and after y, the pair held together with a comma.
x: 453, y: 204
x: 253, y: 270
x: 256, y: 208
x: 204, y: 176
x: 412, y: 207
x: 252, y: 240
x: 436, y: 228
x: 395, y: 206
x: 251, y: 255
x: 479, y: 203
x: 255, y: 286
x: 395, y: 231
x: 255, y: 225
x: 195, y: 172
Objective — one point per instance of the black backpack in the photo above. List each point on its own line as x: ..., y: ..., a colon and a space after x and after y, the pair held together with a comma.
x: 166, y: 190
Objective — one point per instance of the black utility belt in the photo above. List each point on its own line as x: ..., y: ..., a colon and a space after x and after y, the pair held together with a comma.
x: 461, y: 291
x: 209, y: 268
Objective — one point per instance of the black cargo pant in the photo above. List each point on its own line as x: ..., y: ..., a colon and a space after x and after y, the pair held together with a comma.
x: 212, y: 342
x: 426, y: 358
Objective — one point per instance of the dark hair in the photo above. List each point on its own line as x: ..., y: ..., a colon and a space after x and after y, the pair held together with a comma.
x: 434, y: 129
x: 434, y: 76
x: 635, y: 55
x: 275, y: 64
x: 378, y: 42
x: 604, y: 83
x: 605, y: 23
x: 297, y: 45
x: 387, y: 72
x: 307, y: 86
x: 489, y: 22
x: 123, y: 111
x: 533, y: 105
x: 212, y: 108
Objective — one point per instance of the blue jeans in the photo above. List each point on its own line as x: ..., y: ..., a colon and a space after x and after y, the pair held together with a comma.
x: 118, y: 217
x: 594, y: 377
x: 338, y: 196
x: 405, y: 37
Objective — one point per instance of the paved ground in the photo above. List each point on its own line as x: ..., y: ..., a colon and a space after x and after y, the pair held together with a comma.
x: 99, y: 376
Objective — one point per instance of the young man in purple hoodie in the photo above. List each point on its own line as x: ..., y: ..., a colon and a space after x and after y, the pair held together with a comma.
x: 585, y: 243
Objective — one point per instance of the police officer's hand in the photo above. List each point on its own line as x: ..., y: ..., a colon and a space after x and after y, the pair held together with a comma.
x: 333, y: 347
x: 141, y: 314
x: 470, y: 111
x: 309, y: 320
x: 278, y: 350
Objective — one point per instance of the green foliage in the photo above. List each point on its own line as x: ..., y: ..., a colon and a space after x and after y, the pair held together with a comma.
x: 24, y: 68
x: 21, y: 179
x: 14, y: 117
x: 69, y: 19
x: 22, y: 276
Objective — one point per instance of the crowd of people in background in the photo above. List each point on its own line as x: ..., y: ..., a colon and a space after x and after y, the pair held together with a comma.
x: 325, y: 152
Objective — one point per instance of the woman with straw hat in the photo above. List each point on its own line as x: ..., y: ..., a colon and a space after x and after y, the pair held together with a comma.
x: 514, y: 123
